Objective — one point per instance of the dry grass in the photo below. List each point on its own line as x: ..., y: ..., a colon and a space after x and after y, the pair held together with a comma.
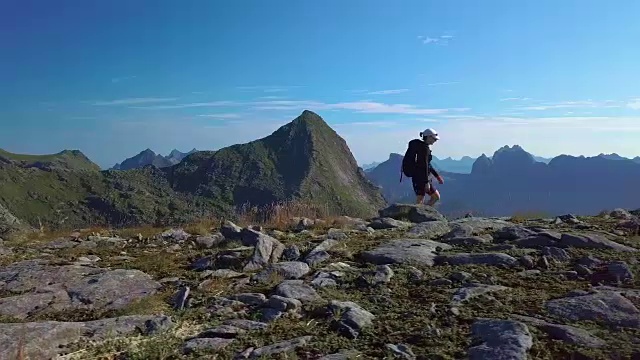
x: 283, y: 215
x: 521, y: 216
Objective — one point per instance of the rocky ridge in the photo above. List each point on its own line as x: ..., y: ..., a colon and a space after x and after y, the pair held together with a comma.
x: 408, y: 284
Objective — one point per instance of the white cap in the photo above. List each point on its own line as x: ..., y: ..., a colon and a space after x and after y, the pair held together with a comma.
x: 430, y: 133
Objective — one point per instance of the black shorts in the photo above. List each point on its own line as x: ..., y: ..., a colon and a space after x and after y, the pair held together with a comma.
x: 422, y: 186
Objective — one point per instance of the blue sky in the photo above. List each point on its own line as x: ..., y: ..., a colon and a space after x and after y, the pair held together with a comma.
x: 112, y: 78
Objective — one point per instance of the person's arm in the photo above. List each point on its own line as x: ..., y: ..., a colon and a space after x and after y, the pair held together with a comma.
x: 435, y: 173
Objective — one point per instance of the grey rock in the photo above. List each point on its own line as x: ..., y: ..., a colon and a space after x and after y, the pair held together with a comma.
x: 297, y: 289
x: 353, y: 318
x: 47, y: 339
x: 336, y: 234
x: 203, y: 263
x: 402, y: 351
x: 471, y: 291
x: 291, y: 253
x: 543, y: 263
x: 592, y: 241
x: 266, y: 249
x: 178, y: 235
x: 225, y: 274
x: 415, y: 274
x: 606, y: 307
x: 286, y: 269
x: 208, y: 344
x: 405, y: 251
x: 582, y: 270
x: 411, y: 212
x: 222, y: 331
x: 460, y: 276
x: 514, y: 232
x: 324, y: 282
x: 493, y: 259
x: 43, y: 288
x: 441, y: 282
x: 479, y: 224
x: 231, y: 231
x: 530, y: 273
x: 466, y: 241
x: 388, y: 223
x: 268, y: 314
x: 304, y: 224
x: 342, y: 355
x: 543, y: 239
x: 319, y: 253
x: 527, y: 261
x: 209, y: 241
x: 255, y: 299
x: 429, y: 229
x: 557, y: 254
x: 280, y: 347
x: 589, y: 261
x: 569, y: 219
x: 458, y: 230
x: 499, y: 339
x: 180, y: 298
x: 620, y: 270
x: 324, y: 279
x: 5, y: 251
x: 502, y: 247
x: 248, y: 325
x: 9, y: 223
x: 620, y: 214
x: 566, y: 333
x: 381, y: 275
x: 60, y: 244
x: 283, y: 304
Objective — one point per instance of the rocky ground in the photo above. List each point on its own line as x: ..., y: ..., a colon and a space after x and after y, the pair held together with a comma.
x: 407, y: 285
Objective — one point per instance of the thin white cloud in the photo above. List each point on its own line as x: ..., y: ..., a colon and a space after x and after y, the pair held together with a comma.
x: 515, y: 99
x: 122, y: 78
x: 388, y: 92
x: 188, y: 105
x: 368, y: 107
x: 224, y: 116
x: 634, y: 104
x: 383, y: 124
x: 438, y: 40
x: 573, y: 104
x: 268, y: 89
x: 272, y: 97
x: 131, y: 101
x: 443, y: 83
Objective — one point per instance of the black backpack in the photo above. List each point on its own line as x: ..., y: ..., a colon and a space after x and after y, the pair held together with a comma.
x: 409, y: 161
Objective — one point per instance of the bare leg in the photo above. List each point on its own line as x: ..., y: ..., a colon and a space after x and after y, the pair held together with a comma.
x: 435, y: 197
x: 419, y: 199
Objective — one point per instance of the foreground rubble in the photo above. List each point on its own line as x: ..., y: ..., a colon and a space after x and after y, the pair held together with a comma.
x: 409, y: 284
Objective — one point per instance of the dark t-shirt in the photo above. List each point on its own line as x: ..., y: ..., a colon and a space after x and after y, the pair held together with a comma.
x: 423, y: 159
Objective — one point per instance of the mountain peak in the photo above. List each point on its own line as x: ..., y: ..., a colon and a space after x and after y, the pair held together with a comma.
x: 512, y: 156
x: 262, y: 170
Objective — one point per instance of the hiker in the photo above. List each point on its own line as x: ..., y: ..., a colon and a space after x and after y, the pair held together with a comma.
x: 416, y: 164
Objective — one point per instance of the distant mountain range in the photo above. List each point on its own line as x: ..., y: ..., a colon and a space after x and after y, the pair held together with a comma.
x: 513, y: 181
x: 460, y: 166
x: 464, y: 164
x: 148, y: 157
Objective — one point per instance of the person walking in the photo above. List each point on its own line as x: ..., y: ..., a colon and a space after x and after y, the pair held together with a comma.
x: 416, y: 164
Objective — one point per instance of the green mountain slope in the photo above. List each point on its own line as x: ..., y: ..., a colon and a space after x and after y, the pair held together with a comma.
x: 64, y: 160
x: 304, y: 159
